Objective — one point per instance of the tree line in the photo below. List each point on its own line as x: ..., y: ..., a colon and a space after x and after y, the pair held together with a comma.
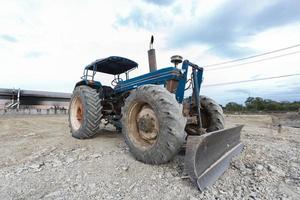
x: 254, y: 104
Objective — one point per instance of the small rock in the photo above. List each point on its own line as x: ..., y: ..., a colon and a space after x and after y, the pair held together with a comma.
x: 169, y: 175
x: 56, y: 163
x: 276, y: 170
x: 69, y: 160
x: 37, y: 166
x: 237, y: 189
x: 193, y: 198
x: 259, y: 167
x: 125, y: 168
x: 93, y: 192
x: 115, y: 183
x: 271, y: 167
x: 92, y: 185
x: 52, y: 194
x: 238, y: 165
x: 20, y: 170
x: 160, y: 175
x: 132, y: 186
x: 253, y: 194
x: 95, y: 155
x: 78, y: 188
x: 30, y: 134
x: 82, y: 157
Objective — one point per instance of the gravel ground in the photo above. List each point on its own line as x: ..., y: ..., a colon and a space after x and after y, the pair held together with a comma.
x: 40, y: 160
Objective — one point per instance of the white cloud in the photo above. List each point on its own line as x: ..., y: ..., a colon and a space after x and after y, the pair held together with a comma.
x: 56, y: 39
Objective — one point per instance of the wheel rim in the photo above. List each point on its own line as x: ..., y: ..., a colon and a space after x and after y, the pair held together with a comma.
x: 76, y: 113
x: 143, y: 125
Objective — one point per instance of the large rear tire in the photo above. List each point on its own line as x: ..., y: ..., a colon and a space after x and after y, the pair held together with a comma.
x: 153, y: 124
x: 84, y: 112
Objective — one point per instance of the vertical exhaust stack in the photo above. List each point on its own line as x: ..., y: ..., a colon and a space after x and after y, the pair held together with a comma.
x: 152, y: 56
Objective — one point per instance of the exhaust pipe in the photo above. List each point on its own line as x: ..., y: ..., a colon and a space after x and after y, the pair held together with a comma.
x: 152, y: 56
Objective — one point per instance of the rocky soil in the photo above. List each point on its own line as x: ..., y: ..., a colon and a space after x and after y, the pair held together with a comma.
x: 40, y: 160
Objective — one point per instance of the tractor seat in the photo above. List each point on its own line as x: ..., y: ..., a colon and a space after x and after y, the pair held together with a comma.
x: 107, y: 91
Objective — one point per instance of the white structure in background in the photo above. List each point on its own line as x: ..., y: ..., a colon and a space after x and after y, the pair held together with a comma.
x: 19, y: 101
x: 14, y: 103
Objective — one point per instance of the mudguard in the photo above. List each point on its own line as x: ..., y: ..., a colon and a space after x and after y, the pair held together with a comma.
x: 208, y: 156
x: 92, y: 84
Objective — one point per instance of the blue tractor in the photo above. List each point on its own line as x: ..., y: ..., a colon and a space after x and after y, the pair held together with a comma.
x: 155, y: 117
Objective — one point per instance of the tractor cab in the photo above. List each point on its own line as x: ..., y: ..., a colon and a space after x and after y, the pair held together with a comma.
x: 113, y: 65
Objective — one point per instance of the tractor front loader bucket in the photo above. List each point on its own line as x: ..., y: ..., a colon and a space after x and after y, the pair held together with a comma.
x: 208, y: 156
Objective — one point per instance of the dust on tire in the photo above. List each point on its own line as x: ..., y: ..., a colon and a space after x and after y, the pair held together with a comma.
x: 171, y: 124
x: 91, y: 104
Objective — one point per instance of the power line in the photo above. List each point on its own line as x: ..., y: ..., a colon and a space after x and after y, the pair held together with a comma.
x: 265, y: 95
x: 254, y: 56
x: 256, y: 61
x: 251, y: 80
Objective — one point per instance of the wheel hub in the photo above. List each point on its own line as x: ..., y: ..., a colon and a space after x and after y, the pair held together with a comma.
x: 143, y: 125
x: 79, y: 113
x: 76, y: 113
x: 147, y: 124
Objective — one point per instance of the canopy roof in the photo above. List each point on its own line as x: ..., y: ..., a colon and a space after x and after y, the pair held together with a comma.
x: 112, y: 65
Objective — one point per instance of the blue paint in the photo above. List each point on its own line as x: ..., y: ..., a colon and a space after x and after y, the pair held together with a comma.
x: 158, y: 77
x: 161, y: 76
x: 181, y: 85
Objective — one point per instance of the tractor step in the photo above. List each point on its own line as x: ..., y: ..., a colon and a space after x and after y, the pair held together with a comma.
x: 208, y: 156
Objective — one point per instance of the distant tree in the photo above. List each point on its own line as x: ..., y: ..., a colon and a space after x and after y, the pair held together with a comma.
x: 234, y: 107
x: 260, y: 104
x: 294, y: 106
x: 255, y: 104
x: 272, y: 105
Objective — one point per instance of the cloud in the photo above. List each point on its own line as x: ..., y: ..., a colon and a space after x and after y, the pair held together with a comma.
x: 287, y: 93
x: 294, y: 89
x: 61, y: 41
x: 239, y: 91
x: 141, y: 19
x: 8, y: 38
x: 234, y: 22
x: 160, y: 2
x: 280, y: 13
x: 34, y: 54
x: 225, y: 29
x: 229, y: 50
x: 255, y: 76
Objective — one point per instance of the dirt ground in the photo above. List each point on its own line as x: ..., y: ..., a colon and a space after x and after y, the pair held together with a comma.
x: 40, y: 160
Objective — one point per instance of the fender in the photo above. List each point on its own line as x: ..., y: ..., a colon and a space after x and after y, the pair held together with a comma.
x: 93, y: 84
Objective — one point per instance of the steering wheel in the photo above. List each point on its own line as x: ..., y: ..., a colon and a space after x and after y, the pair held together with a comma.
x: 116, y: 81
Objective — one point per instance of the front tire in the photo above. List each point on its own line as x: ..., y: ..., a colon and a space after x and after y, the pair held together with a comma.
x: 84, y: 112
x: 153, y: 124
x: 211, y: 115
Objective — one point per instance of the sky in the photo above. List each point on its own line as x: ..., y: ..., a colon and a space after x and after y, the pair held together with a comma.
x: 44, y: 45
